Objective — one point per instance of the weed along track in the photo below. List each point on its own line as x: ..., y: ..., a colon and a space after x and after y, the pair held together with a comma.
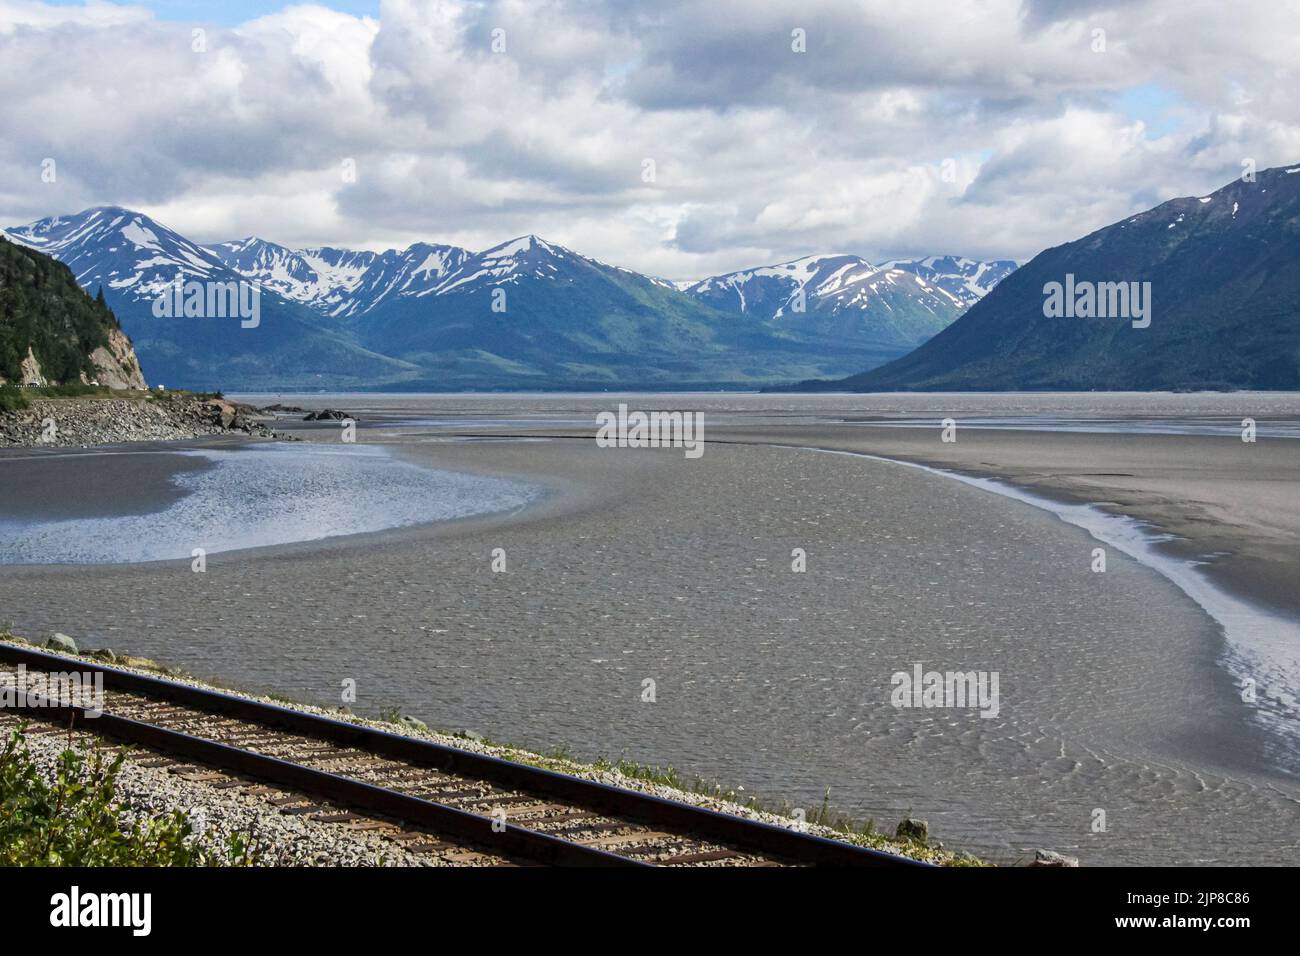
x: 469, y: 807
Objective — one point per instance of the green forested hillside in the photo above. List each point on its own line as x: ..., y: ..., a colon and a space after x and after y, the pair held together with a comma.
x: 43, y: 309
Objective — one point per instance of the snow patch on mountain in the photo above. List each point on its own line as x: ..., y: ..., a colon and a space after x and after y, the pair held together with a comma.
x: 120, y: 249
x: 129, y: 252
x: 937, y: 284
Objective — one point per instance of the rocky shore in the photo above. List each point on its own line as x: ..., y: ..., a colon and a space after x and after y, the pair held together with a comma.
x: 79, y: 422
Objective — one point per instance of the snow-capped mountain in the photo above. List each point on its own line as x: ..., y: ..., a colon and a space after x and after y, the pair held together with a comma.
x: 524, y: 313
x: 135, y: 259
x: 417, y: 270
x: 126, y: 252
x: 451, y: 271
x: 768, y: 291
x: 346, y: 284
x: 938, y: 284
x: 902, y: 302
x: 965, y: 281
x: 320, y: 278
x: 540, y: 309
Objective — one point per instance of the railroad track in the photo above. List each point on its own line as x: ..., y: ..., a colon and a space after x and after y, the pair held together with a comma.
x: 484, y: 804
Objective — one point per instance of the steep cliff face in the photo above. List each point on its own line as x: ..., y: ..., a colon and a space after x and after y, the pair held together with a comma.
x: 52, y: 332
x: 117, y: 363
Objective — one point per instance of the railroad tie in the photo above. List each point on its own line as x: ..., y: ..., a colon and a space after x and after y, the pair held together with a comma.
x: 609, y: 841
x: 455, y: 794
x: 594, y: 827
x: 202, y: 777
x: 346, y: 816
x: 496, y: 801
x: 691, y: 859
x: 287, y: 800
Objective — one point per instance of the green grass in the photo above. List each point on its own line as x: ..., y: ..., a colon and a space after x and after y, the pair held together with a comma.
x: 12, y: 399
x: 845, y: 827
x: 176, y: 395
x: 286, y: 701
x: 71, y: 390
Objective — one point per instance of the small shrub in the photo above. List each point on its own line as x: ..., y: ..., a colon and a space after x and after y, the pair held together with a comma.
x: 12, y: 399
x: 74, y: 821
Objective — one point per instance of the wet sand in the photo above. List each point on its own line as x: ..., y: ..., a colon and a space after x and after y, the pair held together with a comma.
x: 641, y: 565
x: 1235, y: 504
x: 116, y: 481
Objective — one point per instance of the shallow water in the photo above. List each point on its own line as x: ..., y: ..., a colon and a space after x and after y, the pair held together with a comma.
x: 1059, y: 407
x: 259, y: 496
x: 1262, y: 649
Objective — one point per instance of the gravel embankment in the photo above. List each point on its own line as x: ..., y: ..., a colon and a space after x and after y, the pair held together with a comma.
x: 73, y: 422
x: 158, y: 791
x: 217, y: 812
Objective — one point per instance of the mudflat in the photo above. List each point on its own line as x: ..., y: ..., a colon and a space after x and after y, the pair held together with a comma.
x: 1234, y: 504
x: 641, y: 565
x: 92, y: 482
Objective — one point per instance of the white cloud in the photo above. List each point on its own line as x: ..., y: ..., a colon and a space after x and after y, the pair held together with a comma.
x: 760, y: 153
x: 15, y: 14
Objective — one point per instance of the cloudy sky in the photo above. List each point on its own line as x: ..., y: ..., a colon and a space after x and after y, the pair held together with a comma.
x: 680, y: 139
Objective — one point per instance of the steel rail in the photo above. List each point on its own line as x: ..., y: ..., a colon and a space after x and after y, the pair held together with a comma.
x: 698, y: 822
x: 450, y: 821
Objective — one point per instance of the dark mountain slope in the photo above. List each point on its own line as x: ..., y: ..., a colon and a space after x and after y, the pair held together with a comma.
x: 1225, y: 307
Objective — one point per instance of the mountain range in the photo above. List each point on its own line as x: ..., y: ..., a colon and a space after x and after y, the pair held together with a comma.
x: 134, y: 259
x: 523, y: 314
x: 824, y: 298
x: 1223, y: 311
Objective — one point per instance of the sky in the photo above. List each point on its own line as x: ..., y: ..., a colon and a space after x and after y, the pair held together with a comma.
x: 677, y: 138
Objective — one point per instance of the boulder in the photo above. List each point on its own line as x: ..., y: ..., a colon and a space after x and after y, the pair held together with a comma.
x: 917, y: 831
x: 327, y: 415
x: 223, y: 412
x: 61, y: 642
x: 1051, y: 858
